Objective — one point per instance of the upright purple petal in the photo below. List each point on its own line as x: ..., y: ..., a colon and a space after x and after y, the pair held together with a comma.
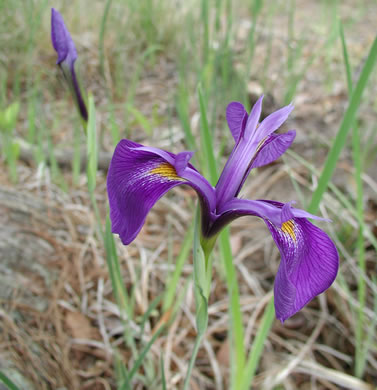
x: 266, y: 152
x: 273, y: 122
x: 253, y: 119
x: 138, y: 177
x: 272, y: 148
x: 256, y: 146
x: 236, y: 117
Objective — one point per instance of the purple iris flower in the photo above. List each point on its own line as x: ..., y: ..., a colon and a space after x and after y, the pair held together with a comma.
x: 67, y: 55
x: 139, y: 175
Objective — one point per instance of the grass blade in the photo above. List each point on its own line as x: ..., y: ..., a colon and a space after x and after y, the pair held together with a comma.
x: 346, y: 59
x: 237, y: 329
x: 92, y: 147
x: 171, y: 289
x: 120, y: 292
x: 163, y: 379
x: 207, y: 141
x: 102, y: 37
x: 141, y: 357
x: 258, y: 345
x: 360, y: 355
x: 341, y: 137
x: 7, y: 382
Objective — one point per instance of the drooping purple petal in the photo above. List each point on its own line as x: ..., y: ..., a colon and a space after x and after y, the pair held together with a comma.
x: 138, y: 177
x: 289, y: 212
x: 236, y: 117
x: 309, y: 264
x: 186, y: 171
x: 272, y: 148
x: 309, y: 259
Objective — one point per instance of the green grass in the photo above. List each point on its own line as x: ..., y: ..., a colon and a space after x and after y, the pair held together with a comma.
x: 7, y: 382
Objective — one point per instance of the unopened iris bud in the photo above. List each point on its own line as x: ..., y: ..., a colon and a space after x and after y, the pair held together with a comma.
x: 67, y: 55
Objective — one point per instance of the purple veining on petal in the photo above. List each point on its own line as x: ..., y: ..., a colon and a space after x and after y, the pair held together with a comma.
x: 133, y: 190
x: 268, y: 151
x: 274, y: 146
x: 309, y: 258
x: 273, y: 122
x: 236, y: 117
x: 309, y: 265
x: 138, y: 177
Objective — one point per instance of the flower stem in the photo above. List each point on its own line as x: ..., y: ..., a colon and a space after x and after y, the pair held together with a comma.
x: 198, y: 341
x: 202, y: 285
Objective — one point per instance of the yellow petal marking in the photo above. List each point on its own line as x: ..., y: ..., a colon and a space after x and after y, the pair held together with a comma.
x: 166, y: 170
x: 288, y: 227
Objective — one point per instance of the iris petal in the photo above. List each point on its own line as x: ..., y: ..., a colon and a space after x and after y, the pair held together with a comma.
x: 309, y: 259
x: 272, y: 148
x: 236, y: 117
x: 253, y: 119
x: 139, y: 176
x: 61, y: 39
x: 67, y: 56
x: 309, y: 265
x: 273, y: 122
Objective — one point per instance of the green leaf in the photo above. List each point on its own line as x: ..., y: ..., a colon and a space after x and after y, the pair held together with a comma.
x: 258, y: 345
x: 7, y: 382
x: 347, y: 122
x: 206, y: 138
x: 92, y: 148
x: 9, y: 116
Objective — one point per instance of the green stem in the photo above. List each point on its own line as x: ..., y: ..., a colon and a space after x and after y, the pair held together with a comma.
x: 198, y: 341
x: 202, y: 285
x: 235, y: 308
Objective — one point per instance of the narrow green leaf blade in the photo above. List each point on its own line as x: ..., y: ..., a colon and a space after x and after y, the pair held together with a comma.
x: 345, y: 126
x: 206, y: 138
x: 7, y: 382
x: 258, y: 345
x: 92, y: 147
